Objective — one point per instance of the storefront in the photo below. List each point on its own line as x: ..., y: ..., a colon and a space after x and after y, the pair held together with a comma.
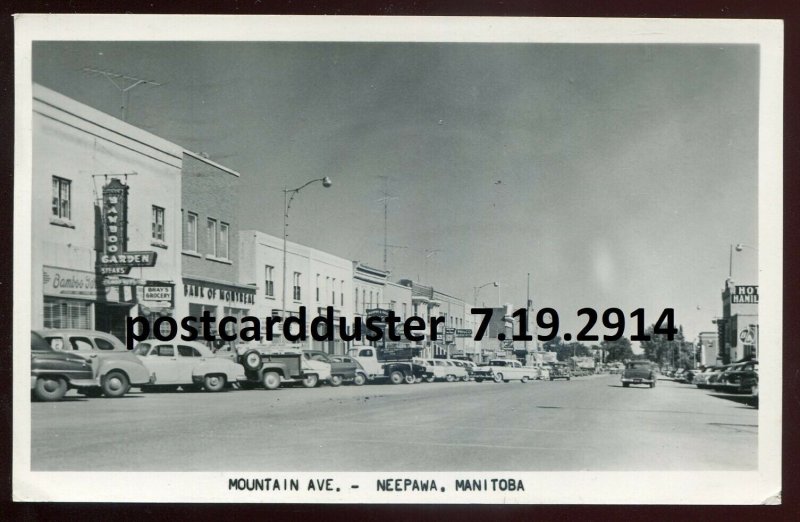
x: 218, y: 298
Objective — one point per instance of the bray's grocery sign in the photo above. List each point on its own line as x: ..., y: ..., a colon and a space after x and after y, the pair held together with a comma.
x: 115, y: 258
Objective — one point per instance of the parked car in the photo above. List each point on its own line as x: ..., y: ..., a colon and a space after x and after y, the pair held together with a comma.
x: 559, y: 371
x: 701, y: 379
x: 678, y: 374
x: 53, y: 373
x: 739, y: 378
x: 504, y: 370
x: 115, y: 368
x: 340, y: 370
x: 273, y: 365
x: 713, y: 379
x: 360, y: 377
x: 188, y: 364
x: 463, y: 365
x: 638, y: 372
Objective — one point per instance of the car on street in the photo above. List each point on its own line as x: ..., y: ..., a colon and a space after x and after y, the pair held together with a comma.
x: 186, y: 364
x: 739, y: 378
x: 53, y: 372
x: 713, y: 379
x: 638, y: 372
x: 115, y: 368
x: 360, y: 377
x: 701, y: 379
x: 503, y: 370
x: 559, y: 371
x: 341, y: 371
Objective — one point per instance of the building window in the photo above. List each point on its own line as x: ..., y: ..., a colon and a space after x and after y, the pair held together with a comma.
x: 158, y: 223
x: 341, y: 292
x: 392, y: 305
x: 356, y: 307
x: 223, y: 249
x: 269, y: 283
x: 333, y: 291
x: 211, y: 236
x: 405, y: 310
x: 296, y: 286
x: 318, y: 288
x: 62, y: 197
x: 190, y: 236
x: 364, y: 300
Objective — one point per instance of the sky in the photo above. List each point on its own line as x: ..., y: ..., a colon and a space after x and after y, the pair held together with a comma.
x: 616, y: 175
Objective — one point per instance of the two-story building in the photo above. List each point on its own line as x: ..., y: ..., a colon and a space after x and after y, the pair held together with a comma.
x: 106, y: 234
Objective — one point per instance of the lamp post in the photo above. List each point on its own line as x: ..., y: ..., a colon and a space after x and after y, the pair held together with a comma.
x: 477, y: 289
x: 739, y: 247
x: 287, y: 203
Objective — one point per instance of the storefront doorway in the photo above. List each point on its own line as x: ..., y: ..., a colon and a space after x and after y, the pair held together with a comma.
x: 112, y: 318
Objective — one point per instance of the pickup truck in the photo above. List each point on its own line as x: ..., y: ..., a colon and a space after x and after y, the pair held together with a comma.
x: 638, y: 372
x: 504, y: 370
x: 394, y: 365
x: 272, y: 366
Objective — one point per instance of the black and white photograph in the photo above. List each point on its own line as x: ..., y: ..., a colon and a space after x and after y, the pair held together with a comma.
x: 283, y: 259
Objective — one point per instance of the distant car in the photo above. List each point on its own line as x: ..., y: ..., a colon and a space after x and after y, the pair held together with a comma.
x: 360, y: 377
x: 115, y: 368
x: 53, y: 373
x: 559, y: 371
x: 701, y: 379
x: 713, y: 379
x: 504, y: 370
x: 188, y: 364
x: 638, y: 372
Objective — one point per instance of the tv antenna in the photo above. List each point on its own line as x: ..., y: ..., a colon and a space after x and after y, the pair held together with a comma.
x: 385, y: 199
x: 124, y: 84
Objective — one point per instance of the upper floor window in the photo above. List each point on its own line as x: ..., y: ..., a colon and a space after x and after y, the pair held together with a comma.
x: 62, y: 198
x: 269, y: 282
x: 158, y: 223
x: 296, y: 286
x: 223, y: 247
x: 190, y: 234
x: 211, y: 236
x: 317, y: 287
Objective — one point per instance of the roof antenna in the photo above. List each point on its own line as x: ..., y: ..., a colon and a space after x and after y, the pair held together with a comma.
x: 119, y: 81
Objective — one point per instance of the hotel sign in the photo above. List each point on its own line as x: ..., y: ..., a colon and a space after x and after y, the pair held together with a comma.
x: 745, y: 294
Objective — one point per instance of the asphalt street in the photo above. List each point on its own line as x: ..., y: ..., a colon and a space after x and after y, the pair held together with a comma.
x: 588, y: 423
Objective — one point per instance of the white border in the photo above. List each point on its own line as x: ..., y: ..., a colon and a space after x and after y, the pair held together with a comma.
x: 552, y: 487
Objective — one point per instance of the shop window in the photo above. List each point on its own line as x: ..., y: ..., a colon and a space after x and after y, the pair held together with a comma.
x: 66, y: 313
x: 158, y: 223
x: 269, y: 283
x: 62, y: 198
x: 190, y: 233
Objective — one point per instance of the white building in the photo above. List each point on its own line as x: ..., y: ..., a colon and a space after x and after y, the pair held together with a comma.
x: 315, y: 280
x: 77, y: 151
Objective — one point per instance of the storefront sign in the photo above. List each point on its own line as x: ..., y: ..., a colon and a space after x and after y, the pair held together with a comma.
x: 64, y: 282
x: 115, y: 258
x: 218, y: 291
x: 463, y: 332
x: 377, y: 312
x: 745, y: 294
x: 157, y: 293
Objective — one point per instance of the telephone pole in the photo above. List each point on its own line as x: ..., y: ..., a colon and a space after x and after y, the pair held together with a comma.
x: 385, y: 199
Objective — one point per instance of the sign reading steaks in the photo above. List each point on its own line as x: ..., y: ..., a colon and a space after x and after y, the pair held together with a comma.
x: 115, y: 258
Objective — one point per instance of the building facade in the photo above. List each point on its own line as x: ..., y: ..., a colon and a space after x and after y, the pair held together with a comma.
x: 210, y: 246
x: 709, y: 348
x: 106, y: 232
x: 738, y: 327
x: 315, y: 280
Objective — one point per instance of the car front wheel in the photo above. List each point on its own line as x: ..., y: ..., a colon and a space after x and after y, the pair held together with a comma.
x: 525, y: 379
x: 214, y: 383
x: 115, y: 384
x: 498, y: 377
x: 359, y: 379
x: 410, y: 379
x: 50, y: 388
x: 311, y: 380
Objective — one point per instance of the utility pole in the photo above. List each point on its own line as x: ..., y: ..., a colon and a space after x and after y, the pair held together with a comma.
x: 119, y: 81
x: 527, y: 312
x: 385, y: 199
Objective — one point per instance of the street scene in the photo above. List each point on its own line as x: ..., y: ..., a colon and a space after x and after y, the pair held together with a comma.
x: 587, y: 423
x: 361, y: 256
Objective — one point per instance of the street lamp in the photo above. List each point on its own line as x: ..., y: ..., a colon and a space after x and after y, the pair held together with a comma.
x: 477, y: 290
x: 287, y: 203
x: 739, y: 248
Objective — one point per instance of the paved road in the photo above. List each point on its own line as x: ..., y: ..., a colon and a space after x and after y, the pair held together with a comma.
x: 588, y: 423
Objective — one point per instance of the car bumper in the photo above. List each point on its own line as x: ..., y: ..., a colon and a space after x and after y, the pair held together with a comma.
x: 637, y: 380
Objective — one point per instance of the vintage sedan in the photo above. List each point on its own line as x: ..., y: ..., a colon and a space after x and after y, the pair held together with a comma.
x: 187, y: 364
x: 53, y: 373
x: 360, y: 377
x: 639, y: 372
x: 739, y: 378
x: 115, y: 368
x: 504, y: 370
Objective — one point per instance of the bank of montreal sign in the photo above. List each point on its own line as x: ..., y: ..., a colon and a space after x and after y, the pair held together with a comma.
x: 115, y: 258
